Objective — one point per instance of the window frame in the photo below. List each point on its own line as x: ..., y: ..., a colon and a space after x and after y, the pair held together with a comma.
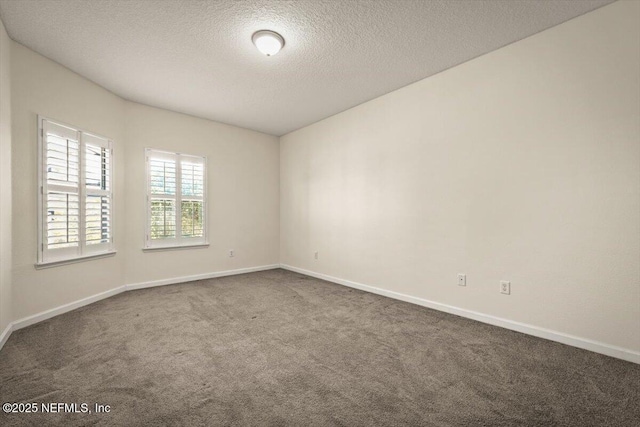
x: 177, y: 242
x: 52, y: 257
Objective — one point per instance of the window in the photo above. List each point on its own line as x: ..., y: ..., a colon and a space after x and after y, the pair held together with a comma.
x: 75, y: 197
x: 176, y: 203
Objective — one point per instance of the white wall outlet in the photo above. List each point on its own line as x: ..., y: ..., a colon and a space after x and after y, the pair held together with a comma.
x: 231, y: 253
x: 462, y: 280
x: 315, y: 255
x: 505, y: 287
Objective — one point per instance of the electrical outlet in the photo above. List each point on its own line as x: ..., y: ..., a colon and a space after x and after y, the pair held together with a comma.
x: 315, y: 255
x: 231, y: 253
x: 505, y: 287
x: 462, y: 280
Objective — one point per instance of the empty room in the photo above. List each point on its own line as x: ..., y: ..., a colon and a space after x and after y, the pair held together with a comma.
x: 320, y: 213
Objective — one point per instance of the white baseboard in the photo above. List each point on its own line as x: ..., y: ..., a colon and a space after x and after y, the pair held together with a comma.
x: 586, y: 344
x: 174, y: 280
x: 4, y: 336
x: 583, y: 343
x: 39, y: 317
x: 48, y: 314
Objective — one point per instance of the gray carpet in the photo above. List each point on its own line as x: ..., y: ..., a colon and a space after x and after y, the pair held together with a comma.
x: 278, y: 348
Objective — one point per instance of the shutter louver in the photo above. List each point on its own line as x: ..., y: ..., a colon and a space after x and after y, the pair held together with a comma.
x: 163, y: 177
x: 192, y: 178
x: 163, y: 219
x: 98, y: 168
x: 63, y: 164
x: 63, y: 220
x: 98, y: 224
x: 192, y: 219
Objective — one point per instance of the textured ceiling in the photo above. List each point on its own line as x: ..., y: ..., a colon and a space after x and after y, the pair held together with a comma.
x: 196, y: 57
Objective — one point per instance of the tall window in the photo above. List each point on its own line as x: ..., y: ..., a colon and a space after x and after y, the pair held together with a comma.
x: 75, y: 197
x: 176, y: 202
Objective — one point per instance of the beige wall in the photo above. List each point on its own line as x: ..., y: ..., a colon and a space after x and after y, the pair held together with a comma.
x: 242, y: 190
x: 520, y: 165
x: 5, y: 180
x: 41, y: 86
x: 243, y: 187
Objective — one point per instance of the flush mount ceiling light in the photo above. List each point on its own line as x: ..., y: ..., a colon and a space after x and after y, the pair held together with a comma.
x: 268, y: 42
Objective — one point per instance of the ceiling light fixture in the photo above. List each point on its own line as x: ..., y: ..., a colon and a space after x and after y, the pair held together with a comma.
x: 268, y: 42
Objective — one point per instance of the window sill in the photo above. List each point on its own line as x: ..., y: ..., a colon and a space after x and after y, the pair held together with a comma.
x: 175, y: 247
x: 49, y: 264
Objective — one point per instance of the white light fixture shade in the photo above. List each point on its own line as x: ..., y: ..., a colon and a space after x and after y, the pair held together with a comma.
x: 268, y: 42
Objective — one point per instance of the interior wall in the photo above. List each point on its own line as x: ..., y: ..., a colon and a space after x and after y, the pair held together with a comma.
x: 242, y: 190
x: 41, y: 86
x: 520, y: 165
x: 5, y: 180
x: 243, y: 187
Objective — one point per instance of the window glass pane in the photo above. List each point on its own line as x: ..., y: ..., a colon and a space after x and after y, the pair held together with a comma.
x: 192, y: 179
x: 162, y: 176
x: 62, y: 221
x: 61, y: 158
x: 97, y: 166
x: 192, y: 219
x: 98, y: 219
x: 163, y: 219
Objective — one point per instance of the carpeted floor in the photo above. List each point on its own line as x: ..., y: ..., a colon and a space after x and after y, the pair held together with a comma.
x: 279, y: 348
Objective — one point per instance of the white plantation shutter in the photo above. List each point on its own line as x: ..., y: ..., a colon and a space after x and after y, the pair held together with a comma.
x: 97, y: 184
x: 75, y: 193
x: 192, y: 206
x: 61, y: 191
x: 176, y: 199
x: 163, y: 177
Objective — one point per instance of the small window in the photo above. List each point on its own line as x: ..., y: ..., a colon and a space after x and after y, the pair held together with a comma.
x: 176, y: 202
x: 75, y: 194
